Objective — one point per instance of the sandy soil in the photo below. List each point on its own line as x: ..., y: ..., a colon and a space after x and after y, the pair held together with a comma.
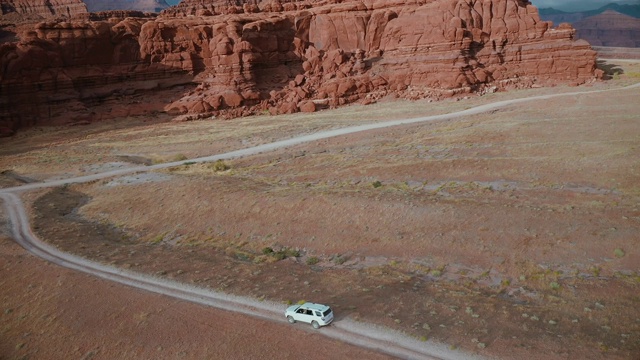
x: 53, y: 313
x: 511, y: 234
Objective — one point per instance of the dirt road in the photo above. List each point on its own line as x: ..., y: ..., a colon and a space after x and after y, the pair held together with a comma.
x: 347, y: 331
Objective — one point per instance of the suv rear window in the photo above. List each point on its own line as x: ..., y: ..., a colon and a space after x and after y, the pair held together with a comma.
x: 326, y: 312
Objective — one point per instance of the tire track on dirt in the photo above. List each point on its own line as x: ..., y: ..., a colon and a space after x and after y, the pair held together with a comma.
x: 304, y: 139
x: 362, y: 335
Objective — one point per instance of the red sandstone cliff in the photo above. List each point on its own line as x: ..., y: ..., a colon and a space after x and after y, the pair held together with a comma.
x: 361, y: 50
x: 291, y: 56
x: 60, y: 71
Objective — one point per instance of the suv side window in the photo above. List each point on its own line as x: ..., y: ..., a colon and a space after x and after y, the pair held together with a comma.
x: 318, y: 314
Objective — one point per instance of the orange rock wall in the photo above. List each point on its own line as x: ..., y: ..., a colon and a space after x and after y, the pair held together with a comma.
x: 291, y: 56
x: 423, y: 47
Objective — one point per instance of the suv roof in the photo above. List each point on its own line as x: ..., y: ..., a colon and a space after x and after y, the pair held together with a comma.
x: 314, y: 306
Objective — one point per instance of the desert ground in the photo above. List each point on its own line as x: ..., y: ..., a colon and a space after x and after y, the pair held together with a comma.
x: 510, y: 234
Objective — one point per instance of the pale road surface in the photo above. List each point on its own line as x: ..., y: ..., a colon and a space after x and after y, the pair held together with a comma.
x: 359, y: 334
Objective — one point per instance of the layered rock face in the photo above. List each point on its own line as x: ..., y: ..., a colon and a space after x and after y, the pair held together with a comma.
x: 44, y: 8
x: 60, y: 71
x: 610, y: 28
x: 247, y: 57
x: 363, y: 50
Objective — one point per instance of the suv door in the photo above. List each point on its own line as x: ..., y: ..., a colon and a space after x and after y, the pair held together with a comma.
x: 305, y: 315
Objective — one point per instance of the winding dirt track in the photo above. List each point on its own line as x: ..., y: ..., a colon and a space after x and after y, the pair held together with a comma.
x: 348, y: 331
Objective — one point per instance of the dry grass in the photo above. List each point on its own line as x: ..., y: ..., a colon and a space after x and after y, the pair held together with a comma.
x: 540, y: 197
x: 71, y: 150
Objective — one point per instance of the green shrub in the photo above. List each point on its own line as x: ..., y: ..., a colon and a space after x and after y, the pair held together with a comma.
x: 312, y: 260
x: 219, y: 166
x: 291, y: 253
x: 259, y: 259
x: 281, y: 254
x: 340, y: 259
x: 158, y: 239
x: 180, y: 157
x: 376, y: 184
x: 244, y: 256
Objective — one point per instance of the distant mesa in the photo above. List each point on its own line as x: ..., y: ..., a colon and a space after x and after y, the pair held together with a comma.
x: 610, y: 28
x: 30, y: 10
x: 612, y: 25
x: 153, y: 6
x: 19, y: 10
x: 559, y: 16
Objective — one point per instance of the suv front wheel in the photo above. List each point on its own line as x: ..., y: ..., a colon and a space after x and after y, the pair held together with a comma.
x: 291, y: 320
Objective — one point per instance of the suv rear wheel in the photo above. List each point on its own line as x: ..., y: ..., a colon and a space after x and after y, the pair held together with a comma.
x: 315, y: 324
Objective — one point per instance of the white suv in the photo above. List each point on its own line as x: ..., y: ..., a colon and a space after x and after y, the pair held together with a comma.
x: 315, y: 314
